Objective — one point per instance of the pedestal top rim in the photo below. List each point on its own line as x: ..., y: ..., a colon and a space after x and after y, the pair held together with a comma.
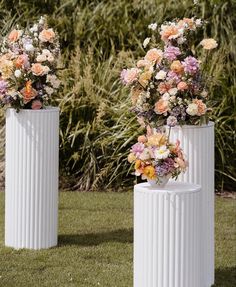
x: 171, y: 187
x: 210, y: 124
x: 45, y: 110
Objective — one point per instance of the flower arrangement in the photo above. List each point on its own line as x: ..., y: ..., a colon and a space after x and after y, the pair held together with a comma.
x: 168, y: 85
x: 155, y: 158
x: 28, y: 60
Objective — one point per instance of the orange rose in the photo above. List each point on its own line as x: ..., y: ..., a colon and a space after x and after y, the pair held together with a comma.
x: 14, y: 35
x: 154, y: 55
x: 200, y: 106
x: 177, y: 67
x: 47, y: 35
x: 161, y: 106
x: 28, y: 92
x: 182, y: 86
x: 149, y: 172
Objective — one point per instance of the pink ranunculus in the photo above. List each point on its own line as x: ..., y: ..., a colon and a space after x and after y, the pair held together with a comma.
x: 36, y: 105
x: 182, y: 86
x: 128, y: 76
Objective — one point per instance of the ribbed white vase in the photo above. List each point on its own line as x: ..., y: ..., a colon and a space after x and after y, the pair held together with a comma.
x: 198, y: 145
x: 167, y: 235
x: 31, y: 200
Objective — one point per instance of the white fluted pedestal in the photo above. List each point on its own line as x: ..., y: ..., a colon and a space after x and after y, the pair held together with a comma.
x: 31, y: 200
x: 167, y: 235
x: 198, y: 145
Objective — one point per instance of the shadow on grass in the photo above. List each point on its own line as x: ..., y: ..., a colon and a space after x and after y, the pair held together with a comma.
x: 225, y: 277
x: 93, y: 239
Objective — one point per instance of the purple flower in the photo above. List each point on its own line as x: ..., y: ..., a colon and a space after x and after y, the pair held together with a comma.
x: 173, y: 76
x: 191, y: 65
x: 166, y: 167
x: 171, y: 52
x: 3, y: 87
x: 138, y: 148
x: 171, y: 121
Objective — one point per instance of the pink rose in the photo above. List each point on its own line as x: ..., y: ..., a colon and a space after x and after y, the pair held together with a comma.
x: 182, y: 86
x: 154, y: 55
x: 14, y: 35
x: 47, y: 35
x: 130, y: 75
x: 161, y: 106
x: 36, y: 105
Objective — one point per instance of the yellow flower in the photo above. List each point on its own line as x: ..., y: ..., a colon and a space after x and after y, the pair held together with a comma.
x: 157, y: 140
x: 6, y: 68
x: 149, y: 172
x: 144, y: 78
x: 138, y: 164
x: 131, y: 157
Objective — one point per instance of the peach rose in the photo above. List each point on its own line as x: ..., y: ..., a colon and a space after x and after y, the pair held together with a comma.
x: 200, y: 106
x: 209, y: 44
x: 169, y: 32
x: 182, y: 86
x: 177, y: 67
x: 142, y: 139
x: 154, y: 55
x: 164, y: 87
x: 161, y: 106
x: 36, y: 105
x: 157, y: 139
x: 14, y: 35
x: 39, y: 70
x: 47, y: 35
x: 144, y: 64
x: 22, y: 61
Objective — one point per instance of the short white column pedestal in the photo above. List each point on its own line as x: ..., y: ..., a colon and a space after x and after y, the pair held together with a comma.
x: 198, y: 145
x: 31, y: 204
x: 167, y: 235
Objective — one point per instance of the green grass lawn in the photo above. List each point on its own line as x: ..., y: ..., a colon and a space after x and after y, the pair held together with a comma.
x: 95, y: 245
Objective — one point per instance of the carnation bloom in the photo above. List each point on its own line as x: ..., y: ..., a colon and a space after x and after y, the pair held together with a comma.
x: 137, y: 149
x: 161, y: 106
x: 209, y: 44
x: 162, y: 152
x: 144, y: 64
x: 47, y: 35
x: 22, y: 61
x: 36, y: 105
x: 182, y: 86
x: 171, y: 53
x: 128, y: 76
x: 161, y: 75
x: 191, y: 65
x: 149, y: 172
x: 164, y: 87
x: 172, y: 76
x: 14, y: 35
x: 201, y: 107
x: 177, y: 67
x: 154, y: 55
x: 6, y: 67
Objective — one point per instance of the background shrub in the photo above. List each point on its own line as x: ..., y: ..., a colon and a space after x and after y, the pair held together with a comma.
x: 98, y: 39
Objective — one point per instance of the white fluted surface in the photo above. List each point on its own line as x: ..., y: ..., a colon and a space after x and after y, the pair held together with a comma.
x: 167, y: 236
x: 31, y: 200
x: 198, y: 145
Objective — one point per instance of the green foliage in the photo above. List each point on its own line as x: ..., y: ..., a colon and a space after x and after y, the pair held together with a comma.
x: 98, y: 39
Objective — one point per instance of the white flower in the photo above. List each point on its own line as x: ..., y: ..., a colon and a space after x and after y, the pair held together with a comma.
x: 152, y: 26
x: 161, y: 75
x: 53, y: 80
x: 181, y: 40
x: 192, y: 109
x: 34, y: 28
x: 41, y: 58
x: 41, y: 21
x: 145, y: 155
x: 162, y: 152
x: 198, y: 22
x: 17, y: 73
x: 173, y: 91
x: 49, y: 90
x: 29, y: 47
x: 166, y: 97
x: 146, y: 42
